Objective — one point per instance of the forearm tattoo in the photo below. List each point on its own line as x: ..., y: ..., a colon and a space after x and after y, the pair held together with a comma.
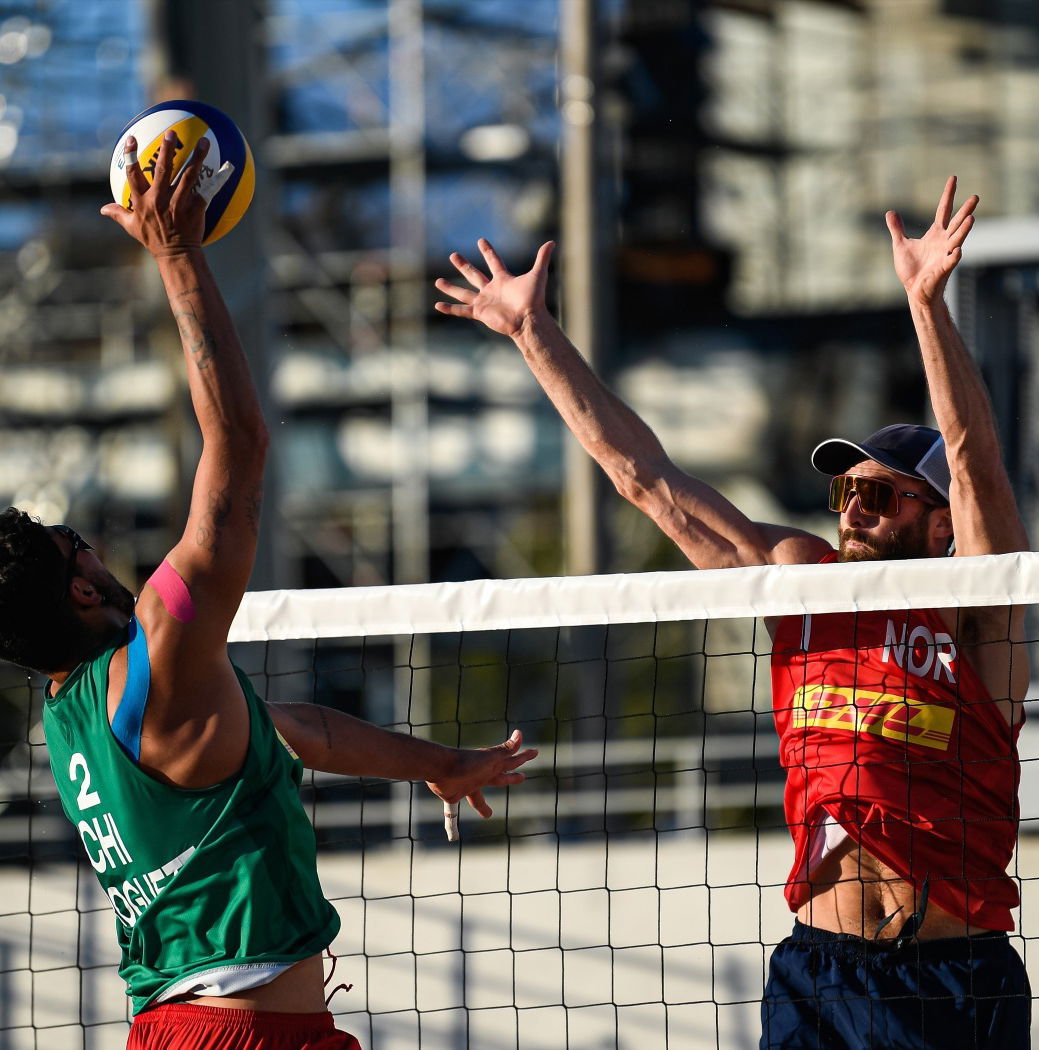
x: 197, y: 338
x: 324, y: 723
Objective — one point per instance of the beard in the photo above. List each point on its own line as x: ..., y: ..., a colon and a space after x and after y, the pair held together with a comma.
x: 908, y: 542
x: 81, y: 639
x: 114, y: 594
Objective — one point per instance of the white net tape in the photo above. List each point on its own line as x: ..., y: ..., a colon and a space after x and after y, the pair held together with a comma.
x: 778, y: 590
x: 628, y: 895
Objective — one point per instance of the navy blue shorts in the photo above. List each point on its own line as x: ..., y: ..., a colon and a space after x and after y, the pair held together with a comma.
x: 835, y: 991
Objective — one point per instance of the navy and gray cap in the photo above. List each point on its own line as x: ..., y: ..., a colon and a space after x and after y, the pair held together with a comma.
x: 917, y: 452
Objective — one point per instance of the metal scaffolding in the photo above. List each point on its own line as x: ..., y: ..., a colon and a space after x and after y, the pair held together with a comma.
x: 328, y: 279
x: 409, y: 446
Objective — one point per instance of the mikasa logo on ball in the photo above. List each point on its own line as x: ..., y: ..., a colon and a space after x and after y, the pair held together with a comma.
x: 191, y: 121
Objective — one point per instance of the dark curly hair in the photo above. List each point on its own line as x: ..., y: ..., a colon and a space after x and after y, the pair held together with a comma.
x: 38, y: 630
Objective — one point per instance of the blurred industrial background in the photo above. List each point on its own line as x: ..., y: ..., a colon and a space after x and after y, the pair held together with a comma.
x: 716, y: 173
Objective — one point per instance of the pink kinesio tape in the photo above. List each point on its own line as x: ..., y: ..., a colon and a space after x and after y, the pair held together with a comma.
x: 173, y: 591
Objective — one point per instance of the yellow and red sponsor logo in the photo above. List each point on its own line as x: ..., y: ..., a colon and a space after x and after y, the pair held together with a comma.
x: 885, y: 715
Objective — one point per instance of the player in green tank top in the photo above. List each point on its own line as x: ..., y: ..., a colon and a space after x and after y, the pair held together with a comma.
x: 180, y: 781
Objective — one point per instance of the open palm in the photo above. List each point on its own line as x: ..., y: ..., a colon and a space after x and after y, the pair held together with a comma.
x: 502, y: 301
x: 923, y: 264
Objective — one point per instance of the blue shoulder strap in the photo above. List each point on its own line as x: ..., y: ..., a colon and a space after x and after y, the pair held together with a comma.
x: 129, y: 716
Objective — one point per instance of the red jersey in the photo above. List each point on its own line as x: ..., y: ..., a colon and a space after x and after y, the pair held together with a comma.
x: 885, y: 728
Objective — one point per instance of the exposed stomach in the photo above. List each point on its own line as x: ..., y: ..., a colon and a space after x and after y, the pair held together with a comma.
x: 299, y: 990
x: 855, y: 892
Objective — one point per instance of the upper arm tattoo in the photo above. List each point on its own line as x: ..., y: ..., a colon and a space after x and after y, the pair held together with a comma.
x: 208, y: 533
x: 253, y: 505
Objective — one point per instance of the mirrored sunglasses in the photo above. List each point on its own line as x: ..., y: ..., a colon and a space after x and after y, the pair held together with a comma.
x: 876, y: 497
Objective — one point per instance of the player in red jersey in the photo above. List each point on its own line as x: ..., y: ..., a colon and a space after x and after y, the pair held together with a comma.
x: 898, y: 731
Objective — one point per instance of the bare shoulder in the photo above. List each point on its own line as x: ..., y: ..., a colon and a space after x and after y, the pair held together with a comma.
x: 992, y: 640
x: 185, y: 657
x: 196, y: 724
x: 789, y: 546
x: 755, y: 545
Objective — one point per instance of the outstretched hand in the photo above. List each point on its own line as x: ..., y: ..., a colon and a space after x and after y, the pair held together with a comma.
x: 502, y: 301
x: 168, y: 214
x: 475, y: 770
x: 923, y: 264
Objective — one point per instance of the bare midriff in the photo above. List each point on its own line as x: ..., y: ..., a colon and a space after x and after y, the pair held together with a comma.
x: 299, y: 990
x: 854, y: 892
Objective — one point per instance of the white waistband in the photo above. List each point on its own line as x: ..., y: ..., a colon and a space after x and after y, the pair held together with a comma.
x: 225, y: 980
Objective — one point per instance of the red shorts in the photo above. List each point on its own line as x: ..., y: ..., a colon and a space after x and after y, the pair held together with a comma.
x: 183, y: 1026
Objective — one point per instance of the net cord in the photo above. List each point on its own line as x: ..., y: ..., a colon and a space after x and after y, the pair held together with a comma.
x: 755, y: 591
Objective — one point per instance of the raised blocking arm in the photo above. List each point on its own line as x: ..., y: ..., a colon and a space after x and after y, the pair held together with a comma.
x: 985, y: 516
x: 709, y: 530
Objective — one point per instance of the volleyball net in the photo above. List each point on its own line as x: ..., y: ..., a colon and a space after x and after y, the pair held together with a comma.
x: 627, y: 895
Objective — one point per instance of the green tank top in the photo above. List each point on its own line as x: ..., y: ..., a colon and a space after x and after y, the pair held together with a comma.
x: 200, y: 880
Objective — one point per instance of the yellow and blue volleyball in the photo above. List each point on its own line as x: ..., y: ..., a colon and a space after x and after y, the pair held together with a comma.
x: 191, y: 121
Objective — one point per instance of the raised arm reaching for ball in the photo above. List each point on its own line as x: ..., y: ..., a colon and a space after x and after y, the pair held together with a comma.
x: 183, y: 784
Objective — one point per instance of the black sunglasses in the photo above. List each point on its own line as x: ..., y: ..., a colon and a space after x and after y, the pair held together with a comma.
x: 78, y: 544
x: 876, y: 497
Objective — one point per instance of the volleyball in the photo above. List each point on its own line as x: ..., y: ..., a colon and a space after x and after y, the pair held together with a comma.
x: 191, y: 121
